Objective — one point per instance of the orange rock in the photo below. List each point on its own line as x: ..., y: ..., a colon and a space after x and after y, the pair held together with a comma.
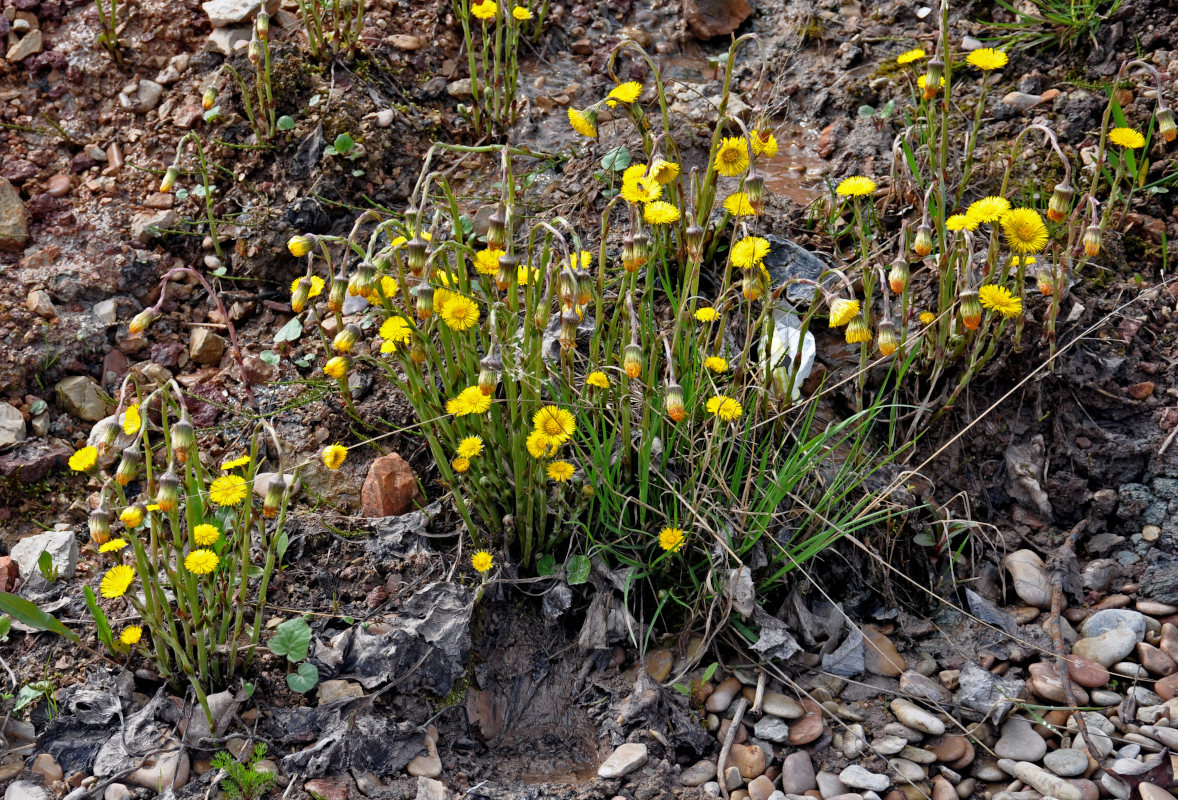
x: 390, y: 489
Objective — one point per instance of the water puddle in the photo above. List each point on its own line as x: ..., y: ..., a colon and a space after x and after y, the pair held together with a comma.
x: 796, y: 171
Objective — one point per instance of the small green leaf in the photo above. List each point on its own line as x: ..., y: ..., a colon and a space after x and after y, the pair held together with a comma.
x: 924, y: 540
x: 45, y: 566
x: 219, y: 271
x: 683, y: 689
x: 5, y: 627
x: 616, y: 160
x: 356, y: 173
x: 104, y: 633
x: 709, y: 672
x: 280, y: 547
x: 285, y: 123
x: 270, y: 357
x: 28, y: 613
x: 290, y: 331
x: 38, y: 407
x: 546, y: 564
x: 212, y: 113
x: 330, y: 151
x: 315, y: 100
x: 577, y: 570
x: 27, y: 695
x: 866, y: 112
x: 181, y: 194
x: 344, y: 143
x: 304, y: 680
x: 291, y: 639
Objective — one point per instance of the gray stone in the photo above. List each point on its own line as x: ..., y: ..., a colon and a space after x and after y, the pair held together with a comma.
x: 771, y: 729
x: 223, y: 13
x: 61, y: 546
x: 698, y: 773
x: 81, y: 396
x: 1019, y: 741
x: 1040, y: 780
x: 459, y: 89
x: 907, y: 771
x: 161, y: 771
x: 116, y: 791
x: 797, y: 773
x: 888, y: 745
x: 430, y: 789
x: 14, y: 220
x: 1159, y: 581
x: 12, y: 425
x: 1021, y: 100
x: 857, y: 777
x: 623, y: 761
x: 786, y: 260
x: 148, y: 225
x: 26, y: 46
x: 914, y: 717
x: 1109, y: 647
x: 106, y: 311
x: 25, y: 790
x: 780, y: 705
x: 828, y: 784
x: 226, y: 40
x: 148, y: 95
x: 1113, y: 618
x: 1103, y: 697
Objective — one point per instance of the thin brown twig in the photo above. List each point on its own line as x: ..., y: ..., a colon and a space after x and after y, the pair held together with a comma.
x: 722, y: 761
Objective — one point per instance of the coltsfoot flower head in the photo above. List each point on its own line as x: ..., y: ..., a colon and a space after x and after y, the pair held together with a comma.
x: 856, y: 186
x: 337, y: 367
x: 1093, y: 239
x: 961, y: 222
x: 486, y: 261
x: 234, y: 463
x: 201, y: 562
x: 988, y: 209
x: 484, y: 10
x: 898, y: 276
x: 933, y: 80
x: 168, y: 493
x: 470, y: 446
x: 539, y: 446
x: 556, y: 423
x: 470, y: 400
x: 1127, y: 138
x: 857, y: 331
x: 726, y: 408
x: 569, y: 319
x: 302, y: 290
x: 733, y: 156
x: 671, y: 539
x: 131, y: 635
x: 116, y: 581
x: 205, y: 534
x: 749, y: 252
x: 132, y: 516
x: 627, y: 92
x: 521, y: 13
x: 909, y: 56
x: 843, y: 311
x: 560, y: 471
x: 113, y: 546
x: 1166, y: 125
x: 987, y: 59
x: 738, y: 205
x: 597, y: 379
x: 639, y: 187
x: 1025, y: 230
x: 337, y: 294
x: 1061, y: 201
x: 660, y: 212
x: 301, y: 244
x: 345, y: 340
x: 272, y: 501
x: 482, y: 561
x: 707, y: 314
x: 209, y: 98
x: 143, y: 320
x: 84, y: 460
x: 887, y: 340
x: 460, y: 464
x: 396, y: 329
x: 460, y: 312
x: 99, y: 524
x: 168, y: 182
x: 927, y: 318
x: 584, y: 122
x: 632, y: 360
x: 971, y: 309
x: 716, y: 364
x: 673, y: 402
x: 1045, y: 280
x: 662, y: 171
x: 999, y: 301
x: 228, y: 490
x: 764, y: 143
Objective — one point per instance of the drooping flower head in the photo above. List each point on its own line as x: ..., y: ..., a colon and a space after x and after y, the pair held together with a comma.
x: 662, y: 170
x: 843, y: 311
x: 584, y: 122
x: 132, y: 421
x: 857, y: 331
x: 856, y: 186
x: 627, y: 92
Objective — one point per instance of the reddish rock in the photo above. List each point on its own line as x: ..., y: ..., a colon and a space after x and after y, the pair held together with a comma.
x: 8, y: 574
x: 327, y: 788
x: 709, y: 18
x: 809, y: 727
x: 880, y: 655
x: 1142, y: 390
x: 1155, y: 660
x: 1167, y: 687
x: 390, y: 488
x: 1086, y: 672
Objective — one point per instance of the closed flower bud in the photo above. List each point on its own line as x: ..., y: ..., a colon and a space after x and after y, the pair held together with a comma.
x: 412, y: 215
x: 567, y: 287
x: 143, y: 320
x: 506, y: 272
x: 425, y: 301
x: 1061, y: 202
x: 922, y: 244
x: 183, y: 437
x: 490, y: 370
x: 694, y: 239
x: 1045, y: 280
x: 888, y: 340
x: 584, y: 286
x: 754, y: 188
x: 1093, y: 238
x: 362, y: 282
x: 128, y: 466
x: 108, y: 430
x: 346, y: 339
x: 209, y: 98
x: 337, y: 295
x: 169, y: 180
x: 100, y: 523
x: 932, y: 78
x: 273, y: 499
x: 673, y: 402
x: 416, y: 248
x: 300, y: 295
x: 857, y: 331
x: 751, y: 284
x: 641, y: 249
x: 167, y: 494
x: 632, y: 360
x: 255, y: 52
x: 1166, y: 126
x: 898, y: 276
x: 337, y: 367
x: 497, y: 228
x: 262, y: 25
x: 568, y: 329
x: 628, y: 262
x: 300, y: 245
x: 417, y: 354
x: 971, y: 310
